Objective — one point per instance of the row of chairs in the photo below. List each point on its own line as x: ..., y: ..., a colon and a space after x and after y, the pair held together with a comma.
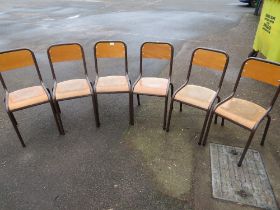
x: 244, y: 113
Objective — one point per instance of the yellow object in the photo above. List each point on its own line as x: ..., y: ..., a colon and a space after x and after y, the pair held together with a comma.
x: 267, y: 40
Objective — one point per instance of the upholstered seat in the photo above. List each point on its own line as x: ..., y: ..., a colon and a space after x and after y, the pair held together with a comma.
x: 151, y: 86
x: 72, y: 89
x: 112, y: 84
x: 241, y: 111
x: 27, y: 97
x: 196, y: 95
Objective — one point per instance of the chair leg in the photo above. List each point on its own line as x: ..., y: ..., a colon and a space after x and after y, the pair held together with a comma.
x: 13, y: 120
x: 95, y: 109
x: 96, y: 112
x: 131, y: 109
x: 216, y: 116
x: 12, y: 115
x: 181, y: 107
x: 169, y: 115
x: 138, y: 99
x: 54, y: 102
x: 172, y: 89
x: 266, y: 129
x: 204, y: 126
x: 165, y: 112
x: 223, y: 121
x: 208, y: 128
x: 246, y: 148
x: 57, y: 119
x: 57, y: 107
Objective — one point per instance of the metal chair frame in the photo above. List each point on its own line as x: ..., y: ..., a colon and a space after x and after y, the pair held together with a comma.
x: 253, y: 130
x: 131, y: 114
x: 47, y: 91
x: 170, y: 85
x: 58, y: 110
x: 216, y: 97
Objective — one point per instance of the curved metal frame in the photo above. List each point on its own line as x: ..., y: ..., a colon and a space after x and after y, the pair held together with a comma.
x: 47, y: 91
x: 170, y: 85
x: 131, y: 113
x: 253, y: 130
x: 57, y: 107
x: 216, y: 97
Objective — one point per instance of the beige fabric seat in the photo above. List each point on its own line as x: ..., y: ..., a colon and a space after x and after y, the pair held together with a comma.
x: 72, y: 89
x: 196, y: 95
x: 112, y: 84
x: 241, y: 111
x: 27, y: 97
x: 151, y: 86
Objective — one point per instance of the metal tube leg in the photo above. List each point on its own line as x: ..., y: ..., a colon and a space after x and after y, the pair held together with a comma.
x: 131, y: 109
x: 169, y: 115
x: 172, y: 89
x: 216, y: 119
x: 12, y: 118
x: 216, y: 116
x: 12, y: 115
x: 57, y: 107
x: 95, y: 101
x: 138, y: 99
x: 57, y: 119
x: 96, y: 117
x: 223, y: 121
x: 165, y: 112
x: 266, y: 129
x: 181, y: 107
x: 208, y: 128
x: 204, y: 126
x: 246, y: 148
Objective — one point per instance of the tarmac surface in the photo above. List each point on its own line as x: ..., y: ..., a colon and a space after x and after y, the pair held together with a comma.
x: 118, y: 166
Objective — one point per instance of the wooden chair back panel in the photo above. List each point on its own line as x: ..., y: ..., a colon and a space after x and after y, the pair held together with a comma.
x: 157, y: 51
x: 110, y: 50
x: 15, y: 59
x: 67, y: 52
x: 209, y: 59
x: 262, y: 71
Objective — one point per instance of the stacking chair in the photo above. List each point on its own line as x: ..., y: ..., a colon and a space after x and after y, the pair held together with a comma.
x: 245, y: 113
x: 26, y: 97
x: 74, y: 88
x: 154, y: 86
x: 197, y: 96
x: 112, y: 84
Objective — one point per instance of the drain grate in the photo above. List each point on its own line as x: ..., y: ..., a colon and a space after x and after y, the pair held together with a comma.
x: 248, y: 184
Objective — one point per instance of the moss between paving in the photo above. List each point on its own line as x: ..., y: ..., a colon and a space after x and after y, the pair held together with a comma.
x: 168, y: 155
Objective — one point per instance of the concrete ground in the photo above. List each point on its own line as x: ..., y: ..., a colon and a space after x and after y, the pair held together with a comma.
x: 118, y: 166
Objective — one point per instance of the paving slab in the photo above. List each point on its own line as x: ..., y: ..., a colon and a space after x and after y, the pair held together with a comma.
x: 248, y: 184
